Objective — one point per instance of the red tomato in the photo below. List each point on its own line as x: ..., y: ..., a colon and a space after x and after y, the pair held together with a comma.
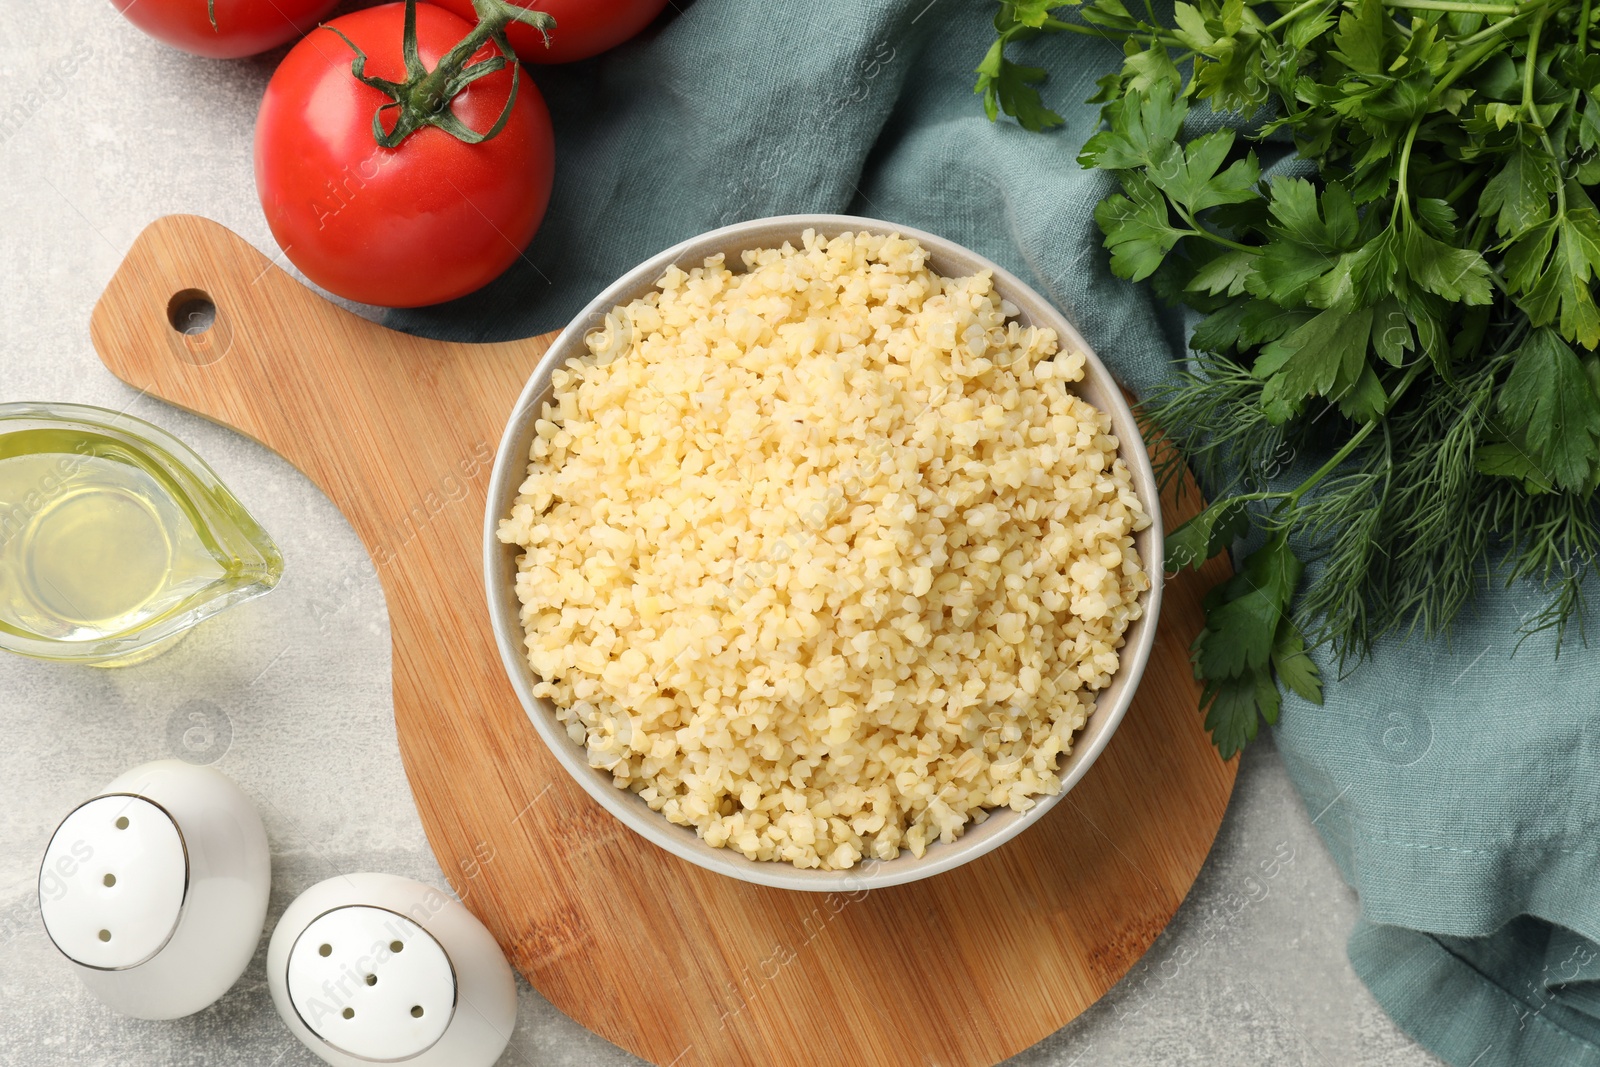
x: 584, y: 28
x: 244, y: 27
x: 426, y: 221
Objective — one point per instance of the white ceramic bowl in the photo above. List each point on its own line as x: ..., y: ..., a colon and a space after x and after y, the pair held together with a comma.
x: 500, y: 563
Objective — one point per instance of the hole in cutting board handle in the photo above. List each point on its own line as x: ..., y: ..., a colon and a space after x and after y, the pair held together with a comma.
x: 201, y: 333
x: 191, y: 311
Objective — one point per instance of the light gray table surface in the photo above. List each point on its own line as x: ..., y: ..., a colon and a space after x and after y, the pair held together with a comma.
x: 294, y: 687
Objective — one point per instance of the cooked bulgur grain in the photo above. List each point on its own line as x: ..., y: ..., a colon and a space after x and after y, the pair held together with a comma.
x: 824, y: 558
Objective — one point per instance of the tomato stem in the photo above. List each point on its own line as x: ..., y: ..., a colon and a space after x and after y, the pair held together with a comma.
x: 493, y: 17
x: 423, y: 99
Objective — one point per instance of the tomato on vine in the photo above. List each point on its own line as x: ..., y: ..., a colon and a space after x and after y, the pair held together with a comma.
x: 224, y: 29
x: 401, y: 158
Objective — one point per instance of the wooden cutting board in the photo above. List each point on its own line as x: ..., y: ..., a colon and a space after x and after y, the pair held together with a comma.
x: 678, y: 965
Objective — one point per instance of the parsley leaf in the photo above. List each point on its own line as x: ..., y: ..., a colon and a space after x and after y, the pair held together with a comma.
x: 1206, y: 534
x: 1138, y: 227
x: 1508, y: 459
x: 1240, y: 630
x: 1549, y: 400
x: 1010, y: 87
x: 1363, y: 31
x: 1308, y: 243
x: 1230, y: 273
x: 1519, y: 193
x: 1457, y: 274
x: 1391, y: 332
x: 1294, y: 667
x: 1142, y: 132
x: 1358, y: 278
x: 1322, y: 357
x: 1032, y: 13
x: 1247, y: 635
x: 1189, y: 174
x: 1562, y: 286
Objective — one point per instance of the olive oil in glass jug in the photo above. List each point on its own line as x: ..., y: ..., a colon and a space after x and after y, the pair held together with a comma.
x: 115, y: 538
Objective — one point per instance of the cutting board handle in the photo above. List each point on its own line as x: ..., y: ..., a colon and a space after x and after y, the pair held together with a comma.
x: 196, y: 316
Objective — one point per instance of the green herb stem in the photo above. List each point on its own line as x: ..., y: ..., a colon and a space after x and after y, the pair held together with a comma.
x: 1453, y: 5
x: 1530, y: 64
x: 1494, y: 33
x: 1561, y: 186
x: 1355, y: 439
x: 1265, y: 494
x: 1495, y: 29
x: 1402, y: 199
x: 1460, y: 188
x: 1201, y: 231
x: 1294, y: 13
x: 1105, y: 33
x: 1583, y: 44
x: 1216, y: 238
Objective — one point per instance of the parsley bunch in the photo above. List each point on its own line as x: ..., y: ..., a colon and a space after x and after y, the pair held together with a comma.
x: 1394, y: 376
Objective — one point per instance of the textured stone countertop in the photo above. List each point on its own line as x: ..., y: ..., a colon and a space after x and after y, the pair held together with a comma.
x: 101, y: 131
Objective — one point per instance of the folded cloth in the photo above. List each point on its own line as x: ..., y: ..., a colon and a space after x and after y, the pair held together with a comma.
x: 1458, y: 787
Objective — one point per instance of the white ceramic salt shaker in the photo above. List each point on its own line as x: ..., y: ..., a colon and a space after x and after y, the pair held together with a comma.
x: 156, y: 889
x: 374, y: 968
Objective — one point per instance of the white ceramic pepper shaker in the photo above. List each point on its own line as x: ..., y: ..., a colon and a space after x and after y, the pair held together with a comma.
x: 371, y: 968
x: 156, y: 889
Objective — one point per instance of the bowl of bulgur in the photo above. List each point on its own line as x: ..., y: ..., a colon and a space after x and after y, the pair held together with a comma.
x: 823, y: 553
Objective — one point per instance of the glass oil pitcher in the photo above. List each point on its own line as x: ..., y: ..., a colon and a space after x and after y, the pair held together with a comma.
x: 115, y: 538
